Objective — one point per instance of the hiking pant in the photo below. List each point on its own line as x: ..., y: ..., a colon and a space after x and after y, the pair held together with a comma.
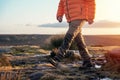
x: 74, y: 33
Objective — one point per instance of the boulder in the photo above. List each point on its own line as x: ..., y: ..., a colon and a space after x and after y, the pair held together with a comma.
x: 113, y: 56
x: 113, y: 60
x: 36, y: 76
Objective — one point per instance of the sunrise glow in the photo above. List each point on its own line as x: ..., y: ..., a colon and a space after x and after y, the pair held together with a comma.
x: 108, y: 9
x: 25, y: 19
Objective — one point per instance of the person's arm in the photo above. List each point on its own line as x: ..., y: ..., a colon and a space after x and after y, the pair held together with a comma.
x: 60, y: 11
x: 91, y: 10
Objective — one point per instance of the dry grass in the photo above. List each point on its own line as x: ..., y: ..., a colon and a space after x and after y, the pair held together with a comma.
x: 4, y: 61
x: 6, y: 73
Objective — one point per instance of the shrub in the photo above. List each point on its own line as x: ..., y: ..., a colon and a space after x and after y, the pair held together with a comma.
x: 4, y: 61
x: 56, y: 41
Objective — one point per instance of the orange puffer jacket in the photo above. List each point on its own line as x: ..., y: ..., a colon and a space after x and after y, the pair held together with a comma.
x: 77, y: 9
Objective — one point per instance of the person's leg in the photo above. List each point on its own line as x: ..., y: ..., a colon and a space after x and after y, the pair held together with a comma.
x: 72, y: 32
x: 83, y: 50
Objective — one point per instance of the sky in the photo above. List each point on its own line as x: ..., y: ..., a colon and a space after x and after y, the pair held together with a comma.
x: 29, y: 16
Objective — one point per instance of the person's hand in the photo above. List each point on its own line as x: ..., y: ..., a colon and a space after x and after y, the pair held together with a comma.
x: 90, y: 22
x: 59, y: 18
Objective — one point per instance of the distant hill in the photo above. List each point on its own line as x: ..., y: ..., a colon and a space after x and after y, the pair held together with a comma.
x: 7, y: 40
x: 40, y: 40
x: 105, y: 40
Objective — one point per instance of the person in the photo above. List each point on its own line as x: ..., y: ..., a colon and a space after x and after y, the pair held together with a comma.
x: 77, y: 12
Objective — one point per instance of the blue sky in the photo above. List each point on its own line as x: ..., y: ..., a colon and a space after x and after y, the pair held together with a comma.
x: 27, y: 11
x: 26, y: 16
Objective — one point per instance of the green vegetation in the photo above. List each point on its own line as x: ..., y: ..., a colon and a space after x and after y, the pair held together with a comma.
x: 27, y: 50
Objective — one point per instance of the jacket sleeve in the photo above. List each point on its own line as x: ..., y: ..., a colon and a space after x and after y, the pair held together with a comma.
x: 60, y: 11
x: 91, y: 9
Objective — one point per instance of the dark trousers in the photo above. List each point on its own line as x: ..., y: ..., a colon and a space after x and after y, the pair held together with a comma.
x: 74, y: 33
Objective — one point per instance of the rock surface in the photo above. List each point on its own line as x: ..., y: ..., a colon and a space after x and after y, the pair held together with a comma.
x: 37, y: 67
x: 113, y: 60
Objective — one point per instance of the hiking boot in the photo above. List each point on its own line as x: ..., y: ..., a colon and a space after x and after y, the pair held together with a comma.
x: 59, y: 65
x: 60, y: 53
x: 53, y: 62
x: 86, y: 65
x: 57, y: 54
x: 53, y: 53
